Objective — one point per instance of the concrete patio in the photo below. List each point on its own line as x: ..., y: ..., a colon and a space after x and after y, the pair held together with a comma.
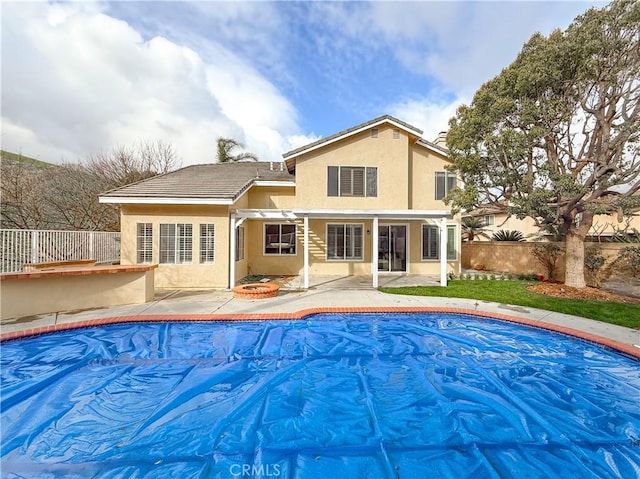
x: 325, y: 291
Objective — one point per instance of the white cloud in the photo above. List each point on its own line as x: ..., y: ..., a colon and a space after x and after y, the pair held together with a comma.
x: 296, y: 141
x: 464, y: 44
x: 77, y: 81
x: 431, y: 117
x: 457, y: 46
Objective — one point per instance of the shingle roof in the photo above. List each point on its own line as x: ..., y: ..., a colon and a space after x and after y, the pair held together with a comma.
x: 380, y: 119
x: 209, y: 181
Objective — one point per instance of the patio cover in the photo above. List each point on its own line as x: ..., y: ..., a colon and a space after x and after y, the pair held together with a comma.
x: 241, y: 215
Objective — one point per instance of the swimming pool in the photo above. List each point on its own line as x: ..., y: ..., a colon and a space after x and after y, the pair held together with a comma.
x: 335, y: 395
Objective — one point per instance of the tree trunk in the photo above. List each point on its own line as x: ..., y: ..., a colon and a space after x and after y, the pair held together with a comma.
x: 574, y: 259
x: 574, y: 262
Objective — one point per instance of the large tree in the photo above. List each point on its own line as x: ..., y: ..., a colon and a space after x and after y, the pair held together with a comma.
x: 225, y: 149
x: 556, y: 135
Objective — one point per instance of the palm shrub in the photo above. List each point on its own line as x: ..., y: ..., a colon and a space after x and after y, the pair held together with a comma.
x: 507, y: 235
x: 473, y: 226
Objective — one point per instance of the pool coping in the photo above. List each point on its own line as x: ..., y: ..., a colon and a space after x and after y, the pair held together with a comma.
x: 302, y: 314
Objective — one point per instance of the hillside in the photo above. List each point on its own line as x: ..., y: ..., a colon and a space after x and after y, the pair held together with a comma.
x: 7, y: 155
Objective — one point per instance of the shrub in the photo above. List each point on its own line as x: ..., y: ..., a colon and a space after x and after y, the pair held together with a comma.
x: 547, y: 255
x: 507, y: 235
x: 629, y: 258
x: 626, y: 236
x: 594, y: 266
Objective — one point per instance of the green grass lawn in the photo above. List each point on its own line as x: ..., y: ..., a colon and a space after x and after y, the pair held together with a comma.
x: 514, y: 292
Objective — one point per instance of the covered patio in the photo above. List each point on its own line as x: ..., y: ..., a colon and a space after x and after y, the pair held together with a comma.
x: 437, y: 217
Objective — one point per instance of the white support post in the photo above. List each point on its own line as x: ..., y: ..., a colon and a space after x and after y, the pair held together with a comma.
x: 232, y: 251
x: 306, y: 251
x: 443, y: 251
x: 374, y: 251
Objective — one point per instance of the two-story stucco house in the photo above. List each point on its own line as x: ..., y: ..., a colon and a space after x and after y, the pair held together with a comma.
x: 365, y: 201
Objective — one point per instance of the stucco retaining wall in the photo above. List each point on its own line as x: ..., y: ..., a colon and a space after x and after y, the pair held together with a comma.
x: 29, y: 293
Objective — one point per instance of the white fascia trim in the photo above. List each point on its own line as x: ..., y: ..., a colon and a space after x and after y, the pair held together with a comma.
x: 389, y: 214
x: 431, y: 148
x: 289, y: 184
x: 265, y: 214
x: 164, y: 201
x: 354, y: 132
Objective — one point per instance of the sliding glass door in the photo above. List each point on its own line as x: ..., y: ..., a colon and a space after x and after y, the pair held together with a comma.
x: 392, y: 248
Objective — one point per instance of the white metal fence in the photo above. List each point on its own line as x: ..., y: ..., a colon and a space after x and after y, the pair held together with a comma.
x: 20, y: 247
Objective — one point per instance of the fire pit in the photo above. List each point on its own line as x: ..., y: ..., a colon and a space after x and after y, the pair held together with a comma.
x: 256, y: 291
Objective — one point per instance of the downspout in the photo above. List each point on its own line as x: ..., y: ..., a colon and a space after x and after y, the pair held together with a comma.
x: 232, y: 251
x: 306, y: 252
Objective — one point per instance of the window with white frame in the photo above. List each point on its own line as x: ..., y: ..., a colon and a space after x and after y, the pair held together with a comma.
x: 445, y: 182
x: 489, y: 220
x: 176, y: 243
x: 144, y: 243
x: 345, y: 242
x: 280, y: 238
x: 431, y: 242
x: 239, y: 243
x: 359, y: 181
x: 207, y: 243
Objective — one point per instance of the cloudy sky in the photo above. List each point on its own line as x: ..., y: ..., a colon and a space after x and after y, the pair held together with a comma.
x: 80, y: 78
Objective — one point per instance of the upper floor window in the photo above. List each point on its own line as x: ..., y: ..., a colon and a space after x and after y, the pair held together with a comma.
x: 280, y: 238
x: 207, y: 243
x: 144, y: 243
x: 374, y: 133
x: 396, y: 134
x: 489, y: 220
x: 445, y: 182
x: 352, y: 181
x: 176, y: 243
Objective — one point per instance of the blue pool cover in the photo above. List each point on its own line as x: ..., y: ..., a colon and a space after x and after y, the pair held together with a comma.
x: 333, y: 396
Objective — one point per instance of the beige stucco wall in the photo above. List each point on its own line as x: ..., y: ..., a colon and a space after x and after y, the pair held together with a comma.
x: 608, y: 224
x: 271, y: 197
x: 259, y: 263
x: 49, y: 293
x: 389, y: 155
x: 191, y: 275
x: 424, y: 164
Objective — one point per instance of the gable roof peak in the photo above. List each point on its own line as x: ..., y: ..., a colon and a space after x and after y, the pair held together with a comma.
x: 353, y: 130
